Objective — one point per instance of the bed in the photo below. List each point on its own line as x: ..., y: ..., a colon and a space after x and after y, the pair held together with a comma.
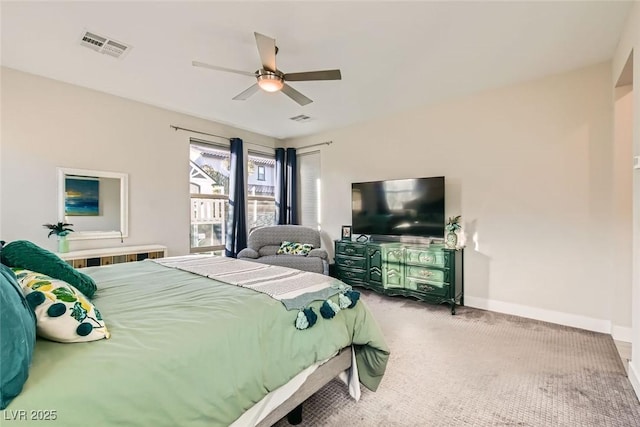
x: 191, y: 351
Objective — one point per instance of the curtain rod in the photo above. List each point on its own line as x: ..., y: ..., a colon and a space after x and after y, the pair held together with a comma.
x: 177, y: 128
x: 315, y: 145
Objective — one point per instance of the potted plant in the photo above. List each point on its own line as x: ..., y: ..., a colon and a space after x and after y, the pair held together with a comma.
x: 61, y: 230
x: 453, y: 225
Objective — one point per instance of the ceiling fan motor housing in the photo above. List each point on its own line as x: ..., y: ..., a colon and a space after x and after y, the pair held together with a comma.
x: 270, y: 81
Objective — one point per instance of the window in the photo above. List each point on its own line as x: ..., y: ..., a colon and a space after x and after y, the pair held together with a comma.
x: 261, y: 190
x: 209, y: 184
x: 309, y: 188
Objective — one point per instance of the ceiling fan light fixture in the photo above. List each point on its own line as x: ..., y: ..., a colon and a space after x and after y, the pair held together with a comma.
x: 269, y: 78
x: 270, y: 82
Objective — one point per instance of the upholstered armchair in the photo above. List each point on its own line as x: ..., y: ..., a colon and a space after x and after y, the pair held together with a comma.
x: 264, y: 242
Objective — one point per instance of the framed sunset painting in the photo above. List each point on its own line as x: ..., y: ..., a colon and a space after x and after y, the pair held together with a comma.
x: 82, y: 196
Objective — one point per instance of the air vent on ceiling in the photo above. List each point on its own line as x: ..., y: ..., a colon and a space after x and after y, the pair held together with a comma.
x: 300, y: 118
x: 104, y: 44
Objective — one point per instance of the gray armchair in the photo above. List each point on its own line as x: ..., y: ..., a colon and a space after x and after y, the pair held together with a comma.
x: 264, y: 242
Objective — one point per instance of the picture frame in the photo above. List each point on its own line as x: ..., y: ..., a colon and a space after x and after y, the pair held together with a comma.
x: 82, y: 196
x: 346, y: 232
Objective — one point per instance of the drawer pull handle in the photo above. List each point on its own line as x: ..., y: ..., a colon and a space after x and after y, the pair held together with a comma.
x: 348, y: 262
x: 349, y: 274
x: 426, y: 288
x: 426, y: 258
x: 350, y: 250
x: 425, y: 273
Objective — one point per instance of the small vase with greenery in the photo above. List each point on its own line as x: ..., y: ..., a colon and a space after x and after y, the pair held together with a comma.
x: 61, y: 230
x: 453, y: 225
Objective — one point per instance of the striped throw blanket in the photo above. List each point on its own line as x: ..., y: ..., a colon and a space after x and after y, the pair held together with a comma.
x: 294, y: 288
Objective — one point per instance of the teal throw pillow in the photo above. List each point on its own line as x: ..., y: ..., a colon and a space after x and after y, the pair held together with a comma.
x: 24, y: 254
x: 17, y: 337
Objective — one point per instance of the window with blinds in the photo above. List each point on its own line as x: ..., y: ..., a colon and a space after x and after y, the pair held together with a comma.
x: 309, y: 188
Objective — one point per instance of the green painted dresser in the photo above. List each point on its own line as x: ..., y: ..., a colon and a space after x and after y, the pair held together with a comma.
x: 431, y: 273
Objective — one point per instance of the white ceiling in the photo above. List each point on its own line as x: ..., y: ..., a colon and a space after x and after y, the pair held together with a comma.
x: 393, y: 56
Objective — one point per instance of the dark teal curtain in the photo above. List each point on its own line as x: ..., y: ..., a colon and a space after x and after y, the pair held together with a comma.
x: 292, y: 186
x: 281, y: 187
x: 236, y: 221
x: 286, y: 186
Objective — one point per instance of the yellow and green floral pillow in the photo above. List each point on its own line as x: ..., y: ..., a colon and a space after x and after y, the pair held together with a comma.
x: 63, y: 313
x: 293, y: 248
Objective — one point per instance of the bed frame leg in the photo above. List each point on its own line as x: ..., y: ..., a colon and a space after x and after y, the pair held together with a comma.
x: 295, y: 417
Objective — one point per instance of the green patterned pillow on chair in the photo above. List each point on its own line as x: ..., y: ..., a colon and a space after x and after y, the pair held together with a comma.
x: 63, y: 314
x: 293, y: 248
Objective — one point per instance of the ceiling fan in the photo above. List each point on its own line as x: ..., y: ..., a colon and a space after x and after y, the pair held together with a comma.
x: 270, y: 79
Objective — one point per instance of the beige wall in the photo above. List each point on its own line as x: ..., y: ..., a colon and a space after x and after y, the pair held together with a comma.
x: 630, y: 42
x: 622, y: 206
x: 529, y: 168
x: 48, y: 124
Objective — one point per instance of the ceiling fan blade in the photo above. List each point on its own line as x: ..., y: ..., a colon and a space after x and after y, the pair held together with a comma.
x: 267, y: 51
x: 295, y: 95
x: 313, y: 75
x: 246, y: 93
x: 215, y: 67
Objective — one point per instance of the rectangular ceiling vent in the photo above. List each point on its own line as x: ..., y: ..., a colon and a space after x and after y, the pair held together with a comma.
x: 300, y: 118
x: 104, y: 44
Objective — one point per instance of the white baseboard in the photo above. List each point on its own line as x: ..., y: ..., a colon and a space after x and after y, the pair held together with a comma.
x: 634, y: 378
x: 621, y: 333
x: 566, y: 319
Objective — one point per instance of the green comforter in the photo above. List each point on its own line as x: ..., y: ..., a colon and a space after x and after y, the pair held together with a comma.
x: 185, y: 351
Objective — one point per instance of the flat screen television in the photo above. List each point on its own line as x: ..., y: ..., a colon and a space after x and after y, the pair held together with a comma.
x: 401, y: 207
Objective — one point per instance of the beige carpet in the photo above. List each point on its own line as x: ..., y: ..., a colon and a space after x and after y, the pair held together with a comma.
x: 480, y: 368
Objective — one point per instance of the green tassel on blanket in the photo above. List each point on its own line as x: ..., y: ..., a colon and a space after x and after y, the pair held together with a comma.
x: 353, y: 296
x: 329, y: 309
x: 306, y: 318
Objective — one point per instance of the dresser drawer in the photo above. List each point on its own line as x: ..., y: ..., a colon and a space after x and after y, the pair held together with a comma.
x: 430, y: 275
x: 392, y: 254
x: 374, y: 264
x: 393, y: 276
x: 434, y: 258
x: 351, y: 249
x: 441, y: 289
x: 351, y: 262
x: 350, y: 275
x: 374, y: 275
